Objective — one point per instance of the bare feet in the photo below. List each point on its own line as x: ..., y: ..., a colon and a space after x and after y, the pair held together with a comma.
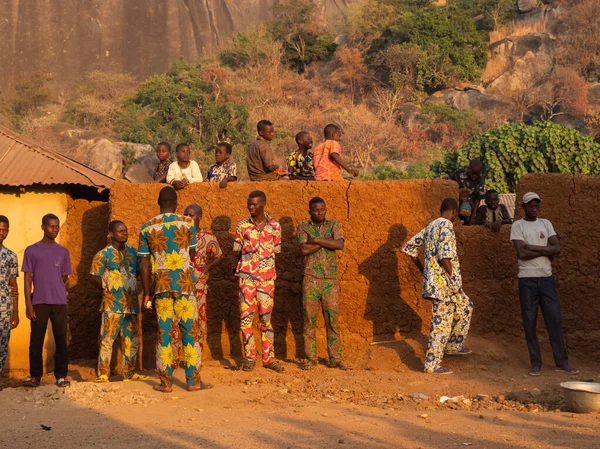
x: 162, y: 388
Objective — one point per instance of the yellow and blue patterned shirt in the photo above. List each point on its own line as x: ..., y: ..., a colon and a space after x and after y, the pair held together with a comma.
x: 439, y: 242
x: 119, y: 284
x: 9, y: 269
x: 167, y: 239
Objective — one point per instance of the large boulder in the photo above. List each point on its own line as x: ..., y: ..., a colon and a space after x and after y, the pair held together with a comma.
x: 142, y: 169
x: 594, y: 95
x: 527, y: 5
x: 520, y: 63
x: 486, y: 106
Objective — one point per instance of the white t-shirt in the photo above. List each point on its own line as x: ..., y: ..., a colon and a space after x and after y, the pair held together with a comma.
x: 192, y: 173
x: 533, y: 233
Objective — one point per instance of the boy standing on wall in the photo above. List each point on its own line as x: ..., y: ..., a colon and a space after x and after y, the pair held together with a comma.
x: 47, y: 266
x: 328, y: 157
x: 9, y: 292
x: 114, y: 269
x: 319, y: 239
x: 259, y: 155
x: 258, y: 238
x: 442, y: 284
x: 537, y: 244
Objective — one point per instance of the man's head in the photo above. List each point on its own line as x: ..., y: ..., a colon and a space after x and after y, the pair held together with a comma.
x: 474, y: 170
x: 256, y: 203
x: 266, y: 130
x: 117, y: 231
x: 167, y: 199
x: 223, y: 152
x: 183, y: 152
x: 194, y: 211
x: 492, y: 200
x: 332, y: 132
x: 304, y: 140
x: 449, y: 209
x: 163, y: 151
x: 50, y: 226
x: 531, y: 205
x: 317, y: 209
x: 4, y: 225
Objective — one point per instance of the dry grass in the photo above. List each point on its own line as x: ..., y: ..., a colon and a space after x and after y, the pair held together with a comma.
x: 520, y: 28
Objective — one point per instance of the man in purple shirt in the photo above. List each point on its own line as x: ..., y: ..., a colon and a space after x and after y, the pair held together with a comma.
x: 47, y: 266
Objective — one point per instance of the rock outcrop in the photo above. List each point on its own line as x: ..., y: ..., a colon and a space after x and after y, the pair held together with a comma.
x: 484, y: 105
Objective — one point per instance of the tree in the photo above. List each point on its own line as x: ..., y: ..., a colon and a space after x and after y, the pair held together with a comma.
x: 567, y: 93
x: 511, y: 151
x: 350, y: 71
x: 252, y: 49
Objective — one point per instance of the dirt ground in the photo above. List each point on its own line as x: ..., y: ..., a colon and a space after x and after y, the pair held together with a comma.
x: 371, y: 406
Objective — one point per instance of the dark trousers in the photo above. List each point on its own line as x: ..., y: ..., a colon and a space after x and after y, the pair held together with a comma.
x: 541, y: 293
x: 58, y: 318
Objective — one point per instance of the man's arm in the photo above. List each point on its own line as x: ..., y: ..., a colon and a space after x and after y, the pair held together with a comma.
x: 14, y: 293
x: 552, y: 249
x: 29, y: 310
x: 475, y: 207
x: 145, y: 275
x: 418, y: 263
x: 332, y: 244
x: 309, y: 248
x: 447, y: 265
x: 523, y: 253
x: 505, y: 215
x: 97, y: 280
x: 268, y: 159
x: 337, y: 158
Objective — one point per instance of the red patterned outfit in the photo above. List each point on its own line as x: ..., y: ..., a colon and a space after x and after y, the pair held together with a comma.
x: 256, y: 270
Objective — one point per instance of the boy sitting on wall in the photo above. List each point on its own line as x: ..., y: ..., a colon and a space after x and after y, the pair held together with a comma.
x: 225, y: 169
x: 328, y: 157
x: 493, y: 215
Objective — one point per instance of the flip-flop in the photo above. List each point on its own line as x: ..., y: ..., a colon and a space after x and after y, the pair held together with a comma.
x: 102, y: 379
x: 202, y: 386
x: 163, y: 388
x: 136, y: 377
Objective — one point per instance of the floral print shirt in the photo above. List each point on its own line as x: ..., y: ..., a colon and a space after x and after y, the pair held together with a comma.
x: 322, y: 263
x: 9, y: 269
x: 439, y: 242
x: 167, y: 239
x: 207, y: 248
x: 162, y: 169
x: 217, y: 173
x: 258, y: 248
x: 119, y: 285
x: 300, y: 165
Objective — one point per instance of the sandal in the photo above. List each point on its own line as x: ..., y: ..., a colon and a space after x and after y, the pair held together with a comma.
x: 247, y: 365
x: 309, y: 364
x: 102, y: 379
x: 567, y: 369
x: 62, y: 382
x: 275, y: 366
x: 461, y: 351
x: 535, y: 371
x: 339, y: 365
x: 202, y: 386
x: 440, y: 370
x: 136, y: 377
x: 162, y: 388
x: 31, y: 382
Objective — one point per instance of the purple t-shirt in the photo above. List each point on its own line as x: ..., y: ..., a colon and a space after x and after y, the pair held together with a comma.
x: 48, y: 263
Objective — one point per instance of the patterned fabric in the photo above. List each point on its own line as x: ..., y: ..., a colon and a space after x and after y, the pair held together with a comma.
x: 115, y: 324
x: 217, y: 173
x: 258, y: 249
x: 476, y: 188
x: 322, y: 263
x: 118, y: 272
x: 253, y: 293
x: 207, y: 248
x: 327, y: 291
x: 177, y: 313
x: 9, y: 269
x: 5, y: 319
x: 167, y: 239
x: 325, y: 168
x: 439, y: 241
x: 449, y: 328
x: 162, y: 169
x: 300, y: 165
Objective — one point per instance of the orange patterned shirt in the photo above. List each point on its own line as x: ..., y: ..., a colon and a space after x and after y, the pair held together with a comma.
x: 258, y: 249
x: 325, y: 168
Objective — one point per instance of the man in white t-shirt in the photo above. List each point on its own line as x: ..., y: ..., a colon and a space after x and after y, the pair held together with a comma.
x: 537, y: 244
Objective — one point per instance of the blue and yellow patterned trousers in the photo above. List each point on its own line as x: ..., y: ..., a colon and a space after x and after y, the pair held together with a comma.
x: 113, y: 325
x: 5, y: 317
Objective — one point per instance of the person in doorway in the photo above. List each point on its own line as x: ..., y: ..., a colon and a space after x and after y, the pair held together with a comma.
x: 259, y: 155
x: 493, y: 215
x: 224, y: 170
x: 115, y: 270
x: 163, y: 152
x: 183, y: 171
x: 328, y: 157
x: 47, y: 266
x: 169, y: 240
x: 300, y: 162
x: 9, y: 292
x: 537, y: 244
x: 442, y: 284
x: 319, y: 240
x: 258, y: 238
x: 471, y: 187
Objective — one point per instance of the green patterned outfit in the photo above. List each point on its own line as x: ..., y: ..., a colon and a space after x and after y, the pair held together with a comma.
x: 120, y: 307
x: 320, y: 288
x: 167, y: 240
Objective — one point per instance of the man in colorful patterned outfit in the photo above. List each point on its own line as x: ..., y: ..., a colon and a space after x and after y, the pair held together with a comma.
x: 259, y: 239
x: 114, y: 269
x: 300, y: 162
x: 9, y: 299
x: 442, y: 284
x: 168, y: 242
x: 319, y: 239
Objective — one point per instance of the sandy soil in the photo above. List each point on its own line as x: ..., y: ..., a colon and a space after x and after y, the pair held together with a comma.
x: 371, y: 406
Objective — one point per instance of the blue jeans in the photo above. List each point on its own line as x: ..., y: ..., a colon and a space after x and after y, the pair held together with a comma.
x: 535, y: 293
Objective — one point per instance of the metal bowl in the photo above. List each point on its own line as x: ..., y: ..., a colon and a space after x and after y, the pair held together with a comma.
x: 582, y: 397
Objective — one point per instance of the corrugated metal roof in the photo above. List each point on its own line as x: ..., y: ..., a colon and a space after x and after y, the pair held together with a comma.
x: 24, y: 163
x: 508, y: 199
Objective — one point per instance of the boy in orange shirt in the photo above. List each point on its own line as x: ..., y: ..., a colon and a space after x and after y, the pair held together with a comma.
x: 327, y: 157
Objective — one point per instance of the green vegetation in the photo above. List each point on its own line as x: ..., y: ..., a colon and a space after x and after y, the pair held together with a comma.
x: 511, y: 151
x: 387, y: 171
